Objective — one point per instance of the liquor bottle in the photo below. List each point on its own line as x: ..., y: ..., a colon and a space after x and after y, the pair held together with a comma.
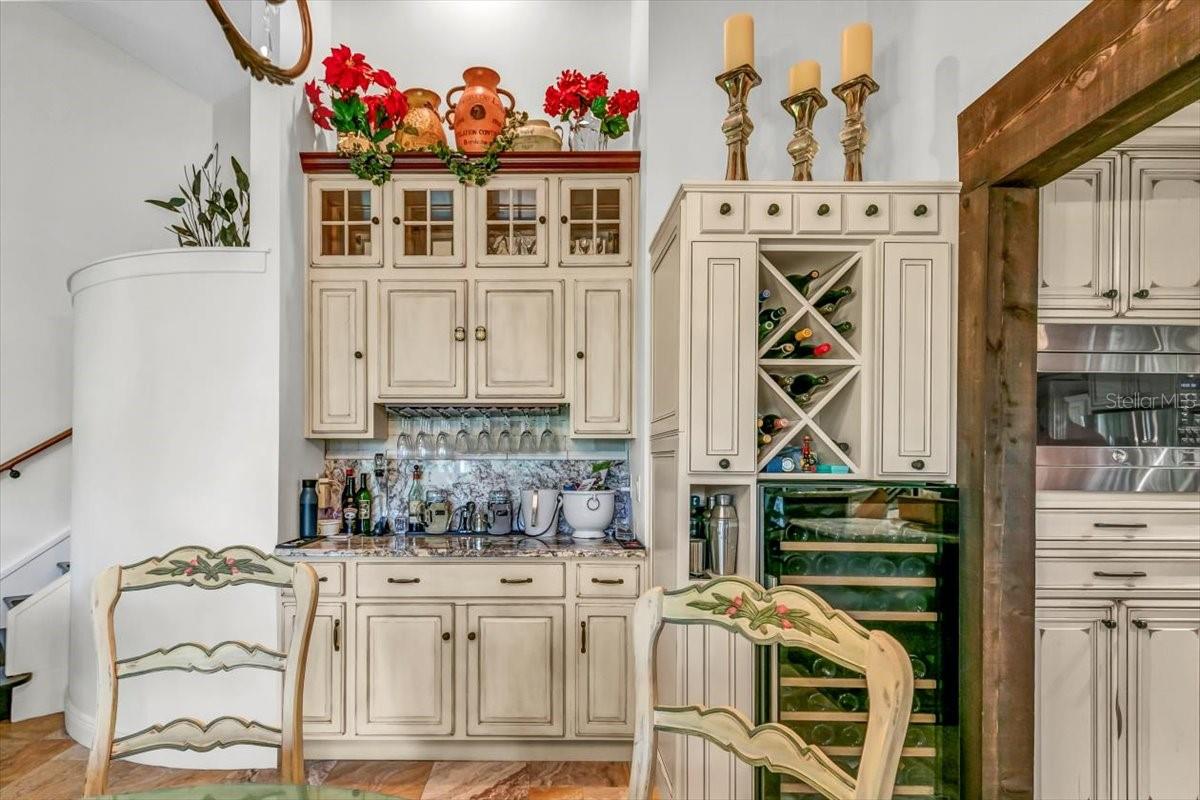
x: 804, y: 398
x: 835, y: 296
x: 363, y: 499
x: 772, y: 314
x: 349, y: 504
x: 783, y: 350
x: 379, y: 501
x: 802, y: 282
x: 811, y: 350
x: 772, y: 422
x: 845, y: 327
x: 765, y: 328
x: 416, y: 502
x: 802, y: 334
x: 808, y: 459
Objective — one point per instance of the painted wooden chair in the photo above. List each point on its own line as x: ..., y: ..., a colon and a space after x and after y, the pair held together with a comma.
x: 785, y: 615
x: 198, y: 566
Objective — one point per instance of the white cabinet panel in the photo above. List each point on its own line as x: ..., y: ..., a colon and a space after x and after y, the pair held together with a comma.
x: 324, y: 671
x: 422, y: 348
x: 337, y: 365
x: 1164, y: 700
x: 916, y: 362
x: 722, y: 212
x: 603, y: 395
x: 723, y: 328
x: 1164, y: 237
x: 1077, y: 271
x: 604, y: 671
x: 1075, y: 695
x: 404, y: 669
x: 664, y: 343
x: 515, y: 670
x: 344, y: 223
x: 518, y: 339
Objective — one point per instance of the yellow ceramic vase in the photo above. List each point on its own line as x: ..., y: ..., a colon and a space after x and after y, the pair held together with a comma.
x: 422, y: 116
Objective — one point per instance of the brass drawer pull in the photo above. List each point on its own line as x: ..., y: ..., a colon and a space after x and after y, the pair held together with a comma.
x: 1140, y: 623
x: 1111, y: 294
x: 872, y: 210
x: 583, y: 637
x: 1108, y: 623
x: 921, y: 210
x: 773, y: 210
x: 563, y: 219
x: 823, y: 210
x: 609, y: 581
x: 446, y: 636
x: 460, y: 334
x: 395, y: 220
x: 725, y: 209
x: 516, y: 580
x: 1135, y: 574
x: 323, y: 579
x: 358, y: 354
x: 337, y: 635
x: 404, y: 580
x: 374, y: 220
x: 1142, y: 294
x: 480, y: 333
x: 471, y: 636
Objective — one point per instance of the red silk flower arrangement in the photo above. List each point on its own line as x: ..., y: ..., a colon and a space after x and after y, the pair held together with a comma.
x: 366, y: 122
x: 574, y: 95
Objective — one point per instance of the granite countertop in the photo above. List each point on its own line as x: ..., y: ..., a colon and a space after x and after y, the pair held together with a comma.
x: 455, y: 546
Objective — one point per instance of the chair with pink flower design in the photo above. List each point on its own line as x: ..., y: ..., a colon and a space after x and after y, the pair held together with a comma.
x: 201, y: 567
x: 790, y: 616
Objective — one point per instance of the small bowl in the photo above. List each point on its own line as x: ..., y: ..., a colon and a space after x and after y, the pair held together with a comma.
x: 329, y: 527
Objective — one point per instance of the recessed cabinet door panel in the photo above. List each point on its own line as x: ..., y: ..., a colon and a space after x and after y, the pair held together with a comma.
x: 515, y: 670
x: 518, y: 339
x: 603, y: 355
x: 324, y: 672
x: 337, y: 374
x: 1164, y: 701
x: 428, y: 223
x: 1164, y: 237
x: 422, y: 348
x: 510, y: 228
x: 1076, y: 267
x: 604, y: 671
x: 723, y: 327
x: 345, y: 224
x: 1075, y: 653
x: 664, y: 344
x: 405, y: 669
x: 918, y: 328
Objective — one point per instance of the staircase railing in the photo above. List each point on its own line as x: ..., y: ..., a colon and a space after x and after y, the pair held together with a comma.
x: 10, y: 467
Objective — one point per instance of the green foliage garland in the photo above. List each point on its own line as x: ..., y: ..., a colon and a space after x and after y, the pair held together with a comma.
x: 477, y: 171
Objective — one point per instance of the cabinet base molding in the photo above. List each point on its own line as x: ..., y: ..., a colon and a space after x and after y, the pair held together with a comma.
x: 458, y: 750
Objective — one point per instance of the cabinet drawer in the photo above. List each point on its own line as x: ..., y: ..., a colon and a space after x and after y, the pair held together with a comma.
x: 608, y: 580
x: 461, y: 580
x: 722, y: 213
x: 916, y: 213
x: 868, y: 213
x: 818, y: 213
x: 769, y: 213
x: 330, y: 580
x: 1180, y: 528
x: 1118, y: 573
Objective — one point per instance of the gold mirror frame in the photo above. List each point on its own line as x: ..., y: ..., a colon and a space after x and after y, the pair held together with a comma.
x: 261, y: 67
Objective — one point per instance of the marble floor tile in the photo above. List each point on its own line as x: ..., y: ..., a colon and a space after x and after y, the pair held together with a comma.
x: 477, y: 780
x: 577, y: 793
x: 402, y: 778
x: 578, y: 773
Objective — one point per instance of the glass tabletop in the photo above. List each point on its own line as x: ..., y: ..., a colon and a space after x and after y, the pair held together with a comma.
x: 253, y: 791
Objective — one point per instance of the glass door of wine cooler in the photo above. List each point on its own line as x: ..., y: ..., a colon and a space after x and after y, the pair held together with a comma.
x: 887, y: 555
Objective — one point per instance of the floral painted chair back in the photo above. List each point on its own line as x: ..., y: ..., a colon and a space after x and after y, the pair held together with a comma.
x: 790, y: 616
x: 198, y: 566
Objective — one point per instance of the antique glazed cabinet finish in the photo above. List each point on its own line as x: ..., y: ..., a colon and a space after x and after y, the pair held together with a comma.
x: 894, y: 399
x: 425, y: 291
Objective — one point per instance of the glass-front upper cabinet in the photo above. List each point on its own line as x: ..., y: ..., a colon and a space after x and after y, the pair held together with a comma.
x: 595, y: 221
x: 428, y: 223
x: 345, y: 227
x: 511, y: 227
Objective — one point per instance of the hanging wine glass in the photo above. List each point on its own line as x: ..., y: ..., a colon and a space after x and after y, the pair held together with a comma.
x: 483, y: 443
x: 504, y: 443
x: 403, y: 442
x: 548, y: 442
x: 441, y: 447
x: 424, y: 440
x: 528, y: 442
x: 462, y: 441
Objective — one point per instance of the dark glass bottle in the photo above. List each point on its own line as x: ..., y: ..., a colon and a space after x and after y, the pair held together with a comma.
x: 308, y: 508
x: 801, y: 382
x: 822, y: 735
x: 845, y: 327
x: 349, y: 504
x: 811, y: 350
x: 835, y: 296
x: 803, y: 280
x: 850, y: 736
x: 802, y: 334
x: 783, y: 350
x: 363, y: 500
x: 772, y: 422
x: 772, y: 314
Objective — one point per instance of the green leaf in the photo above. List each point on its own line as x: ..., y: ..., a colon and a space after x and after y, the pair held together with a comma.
x: 615, y: 127
x: 196, y: 184
x: 599, y: 106
x: 243, y: 180
x: 165, y: 204
x: 231, y: 201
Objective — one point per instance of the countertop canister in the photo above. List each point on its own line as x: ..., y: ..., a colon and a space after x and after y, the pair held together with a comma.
x: 722, y: 536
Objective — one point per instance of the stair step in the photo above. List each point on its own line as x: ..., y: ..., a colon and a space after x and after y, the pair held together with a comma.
x: 64, y: 567
x: 12, y: 601
x: 7, y: 684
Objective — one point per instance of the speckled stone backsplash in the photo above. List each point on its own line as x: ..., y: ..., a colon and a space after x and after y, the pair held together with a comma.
x: 472, y: 479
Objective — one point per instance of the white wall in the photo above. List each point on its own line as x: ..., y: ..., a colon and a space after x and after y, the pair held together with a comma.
x: 86, y: 133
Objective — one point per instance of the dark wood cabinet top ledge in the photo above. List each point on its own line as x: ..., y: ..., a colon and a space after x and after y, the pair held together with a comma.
x: 564, y: 161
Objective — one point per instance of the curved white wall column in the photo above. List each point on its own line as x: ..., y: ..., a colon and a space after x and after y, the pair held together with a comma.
x: 176, y: 415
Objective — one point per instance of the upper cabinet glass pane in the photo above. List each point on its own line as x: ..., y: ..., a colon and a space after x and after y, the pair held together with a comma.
x: 526, y: 204
x: 333, y: 205
x: 414, y: 206
x: 441, y: 206
x: 498, y: 203
x: 608, y: 204
x: 359, y: 205
x: 581, y: 204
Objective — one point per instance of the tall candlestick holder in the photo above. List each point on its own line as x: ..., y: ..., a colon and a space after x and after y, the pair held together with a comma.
x: 803, y: 147
x: 737, y: 126
x: 854, y: 93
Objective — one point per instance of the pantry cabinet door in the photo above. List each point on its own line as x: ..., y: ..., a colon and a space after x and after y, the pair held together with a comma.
x: 518, y: 339
x: 324, y: 671
x: 404, y: 669
x: 1164, y: 237
x: 594, y: 222
x: 337, y: 364
x: 603, y: 395
x: 344, y: 223
x: 1164, y: 699
x: 422, y: 348
x: 515, y: 674
x: 1075, y: 686
x: 604, y: 671
x: 429, y: 223
x: 1077, y: 267
x: 915, y: 414
x: 511, y: 223
x: 724, y: 290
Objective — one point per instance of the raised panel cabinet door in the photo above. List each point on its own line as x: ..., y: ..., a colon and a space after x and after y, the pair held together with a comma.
x: 345, y: 223
x: 428, y: 223
x: 518, y: 336
x: 1164, y: 699
x: 404, y: 668
x: 1077, y: 268
x: 1164, y: 237
x: 510, y: 228
x: 664, y: 339
x: 724, y: 326
x: 603, y: 393
x: 595, y: 222
x: 916, y: 368
x: 337, y: 373
x: 604, y: 671
x: 423, y: 347
x: 324, y: 671
x: 515, y: 679
x: 1075, y: 694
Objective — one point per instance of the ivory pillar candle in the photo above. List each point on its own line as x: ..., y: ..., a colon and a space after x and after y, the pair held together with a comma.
x: 804, y: 75
x: 856, y: 50
x: 739, y: 41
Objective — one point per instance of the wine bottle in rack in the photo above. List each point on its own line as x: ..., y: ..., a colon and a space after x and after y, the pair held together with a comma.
x: 765, y: 328
x: 802, y: 334
x: 843, y: 446
x: 850, y: 736
x: 783, y: 350
x: 772, y: 314
x: 845, y: 327
x: 835, y: 296
x: 772, y: 422
x: 811, y: 350
x: 764, y: 438
x: 764, y: 295
x: 801, y: 382
x: 803, y: 280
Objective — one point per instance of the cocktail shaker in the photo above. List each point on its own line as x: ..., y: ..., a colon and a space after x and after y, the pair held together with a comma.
x: 722, y: 536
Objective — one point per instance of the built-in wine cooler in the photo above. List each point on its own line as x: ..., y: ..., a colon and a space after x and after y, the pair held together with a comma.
x: 888, y: 555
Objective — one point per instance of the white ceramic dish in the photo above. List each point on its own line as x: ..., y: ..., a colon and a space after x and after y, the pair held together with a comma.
x: 589, y: 513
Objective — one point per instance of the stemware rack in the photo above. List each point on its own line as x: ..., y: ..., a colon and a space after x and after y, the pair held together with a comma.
x: 478, y: 432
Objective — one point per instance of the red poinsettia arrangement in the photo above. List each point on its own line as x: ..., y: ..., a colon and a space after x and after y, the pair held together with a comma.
x: 575, y: 95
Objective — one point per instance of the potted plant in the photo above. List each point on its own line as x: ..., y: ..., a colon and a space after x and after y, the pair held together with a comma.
x: 210, y: 214
x: 592, y: 114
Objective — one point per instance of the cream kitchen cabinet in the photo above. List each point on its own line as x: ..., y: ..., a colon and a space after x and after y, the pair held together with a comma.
x: 510, y: 228
x: 429, y: 224
x: 1077, y: 272
x: 422, y: 344
x: 325, y: 670
x: 515, y: 670
x: 604, y: 670
x: 1164, y: 235
x: 519, y: 339
x: 603, y: 358
x: 345, y: 227
x: 337, y: 357
x: 595, y: 224
x: 404, y: 669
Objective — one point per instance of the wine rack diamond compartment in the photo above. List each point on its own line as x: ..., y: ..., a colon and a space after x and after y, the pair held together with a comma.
x: 826, y: 402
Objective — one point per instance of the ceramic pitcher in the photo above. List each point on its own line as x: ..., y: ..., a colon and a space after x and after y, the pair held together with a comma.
x: 422, y: 115
x: 477, y: 117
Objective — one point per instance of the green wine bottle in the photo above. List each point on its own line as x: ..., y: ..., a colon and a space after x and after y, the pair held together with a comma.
x: 772, y: 314
x: 835, y: 296
x: 782, y: 350
x: 821, y: 735
x: 802, y: 382
x: 913, y: 567
x: 819, y: 701
x: 802, y: 282
x: 765, y: 328
x: 848, y: 701
x: 844, y: 328
x: 850, y: 736
x: 363, y: 499
x: 772, y: 422
x: 882, y: 567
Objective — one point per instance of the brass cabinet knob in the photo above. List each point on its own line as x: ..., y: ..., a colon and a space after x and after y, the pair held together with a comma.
x: 358, y: 353
x: 542, y: 220
x: 918, y: 464
x: 1139, y: 623
x: 471, y: 636
x: 446, y: 636
x: 579, y: 354
x: 723, y: 463
x: 921, y: 210
x: 374, y: 220
x: 725, y: 209
x: 823, y: 210
x: 872, y: 210
x: 395, y: 220
x: 563, y: 219
x: 1111, y: 294
x: 1142, y: 294
x: 480, y: 333
x: 460, y: 334
x: 773, y: 210
x: 1108, y: 623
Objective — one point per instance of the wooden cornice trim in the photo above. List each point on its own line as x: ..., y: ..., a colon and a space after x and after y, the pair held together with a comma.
x: 1116, y: 67
x: 610, y: 161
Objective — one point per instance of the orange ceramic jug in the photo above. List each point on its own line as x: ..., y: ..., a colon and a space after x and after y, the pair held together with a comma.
x: 423, y: 116
x: 478, y: 116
